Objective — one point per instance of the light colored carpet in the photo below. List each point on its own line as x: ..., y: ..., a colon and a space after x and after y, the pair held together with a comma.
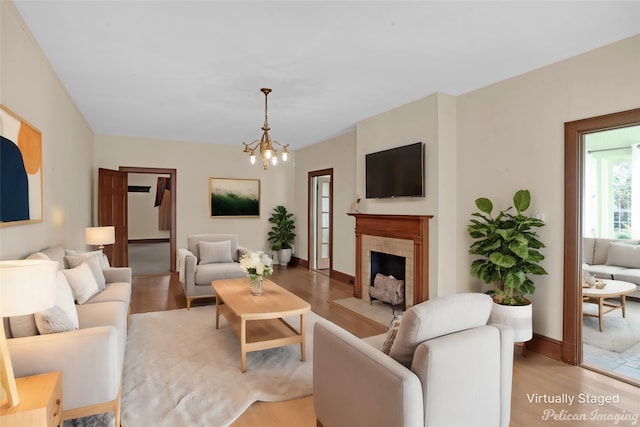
x: 619, y: 333
x: 378, y: 311
x: 181, y: 371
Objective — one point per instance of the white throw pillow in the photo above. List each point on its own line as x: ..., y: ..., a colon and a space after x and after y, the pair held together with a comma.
x: 623, y: 255
x: 94, y: 263
x: 82, y: 282
x: 53, y: 320
x: 212, y: 252
x: 65, y: 300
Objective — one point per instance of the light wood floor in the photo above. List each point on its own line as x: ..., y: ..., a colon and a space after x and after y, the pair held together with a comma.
x: 535, y: 376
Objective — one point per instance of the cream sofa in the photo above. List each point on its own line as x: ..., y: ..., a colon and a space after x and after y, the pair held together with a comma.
x: 612, y: 259
x: 208, y: 257
x: 447, y: 367
x: 91, y: 358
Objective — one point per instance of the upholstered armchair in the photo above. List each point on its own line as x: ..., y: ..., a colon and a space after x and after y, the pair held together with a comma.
x: 446, y: 367
x: 208, y: 257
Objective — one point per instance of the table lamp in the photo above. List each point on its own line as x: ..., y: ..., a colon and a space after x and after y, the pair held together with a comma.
x: 100, y: 236
x: 26, y: 287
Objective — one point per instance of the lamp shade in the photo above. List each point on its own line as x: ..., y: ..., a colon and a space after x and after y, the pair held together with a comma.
x: 100, y: 235
x: 27, y: 286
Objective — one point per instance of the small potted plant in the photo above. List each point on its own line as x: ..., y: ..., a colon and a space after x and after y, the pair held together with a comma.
x: 509, y: 250
x: 281, y: 235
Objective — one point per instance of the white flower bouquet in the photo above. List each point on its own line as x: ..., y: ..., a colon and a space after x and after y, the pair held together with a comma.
x: 256, y: 264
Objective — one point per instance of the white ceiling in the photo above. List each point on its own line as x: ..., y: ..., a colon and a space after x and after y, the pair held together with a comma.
x: 192, y: 70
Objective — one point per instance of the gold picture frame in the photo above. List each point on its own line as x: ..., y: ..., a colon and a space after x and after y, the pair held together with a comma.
x: 234, y: 198
x: 21, y: 195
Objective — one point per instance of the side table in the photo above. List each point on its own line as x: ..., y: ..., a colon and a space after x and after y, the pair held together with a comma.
x: 40, y: 402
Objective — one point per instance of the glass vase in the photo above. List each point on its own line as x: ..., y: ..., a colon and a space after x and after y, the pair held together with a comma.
x: 255, y: 285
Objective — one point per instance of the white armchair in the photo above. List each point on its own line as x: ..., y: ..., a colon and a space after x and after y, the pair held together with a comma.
x: 208, y: 257
x: 446, y: 368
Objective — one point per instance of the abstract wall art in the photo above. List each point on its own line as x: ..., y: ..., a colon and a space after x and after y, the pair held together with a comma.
x: 20, y: 170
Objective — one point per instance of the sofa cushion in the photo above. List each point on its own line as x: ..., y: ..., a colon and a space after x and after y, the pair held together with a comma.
x: 437, y: 317
x: 624, y: 255
x: 601, y: 251
x: 82, y: 282
x: 116, y: 291
x: 104, y: 261
x: 94, y: 263
x: 603, y: 271
x: 214, y: 252
x: 194, y: 240
x: 588, y: 248
x: 206, y: 273
x: 629, y: 275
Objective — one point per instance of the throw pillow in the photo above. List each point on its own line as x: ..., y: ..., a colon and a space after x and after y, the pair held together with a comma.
x: 53, y: 320
x: 391, y: 333
x: 94, y: 263
x: 104, y: 261
x: 623, y: 255
x: 213, y: 252
x: 65, y: 300
x: 23, y: 326
x: 82, y: 282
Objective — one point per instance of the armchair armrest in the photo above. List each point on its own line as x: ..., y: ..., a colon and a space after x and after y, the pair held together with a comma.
x: 88, y: 358
x: 117, y: 274
x: 243, y: 251
x: 349, y: 373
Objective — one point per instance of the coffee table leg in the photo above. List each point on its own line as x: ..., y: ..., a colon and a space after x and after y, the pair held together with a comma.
x: 623, y: 298
x: 303, y: 347
x: 600, y: 310
x: 243, y: 341
x: 217, y: 311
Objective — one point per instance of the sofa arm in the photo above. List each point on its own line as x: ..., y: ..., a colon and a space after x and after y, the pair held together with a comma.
x: 117, y: 274
x: 88, y: 358
x: 354, y: 384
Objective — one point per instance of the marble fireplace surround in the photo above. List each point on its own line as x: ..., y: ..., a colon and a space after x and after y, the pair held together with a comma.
x: 402, y: 235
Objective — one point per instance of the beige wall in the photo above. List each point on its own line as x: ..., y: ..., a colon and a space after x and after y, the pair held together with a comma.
x: 143, y: 215
x: 195, y: 163
x: 510, y: 137
x: 31, y: 89
x: 340, y: 154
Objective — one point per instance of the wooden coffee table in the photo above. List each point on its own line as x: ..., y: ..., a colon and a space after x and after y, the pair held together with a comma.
x: 259, y: 320
x: 613, y: 288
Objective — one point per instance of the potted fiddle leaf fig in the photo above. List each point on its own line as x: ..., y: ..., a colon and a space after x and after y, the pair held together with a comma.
x: 281, y: 234
x: 509, y: 250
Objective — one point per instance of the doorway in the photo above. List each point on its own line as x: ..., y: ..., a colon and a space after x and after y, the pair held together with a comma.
x: 113, y: 209
x: 321, y: 220
x: 576, y: 163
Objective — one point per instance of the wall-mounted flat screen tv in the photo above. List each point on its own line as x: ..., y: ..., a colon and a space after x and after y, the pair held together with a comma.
x: 397, y: 172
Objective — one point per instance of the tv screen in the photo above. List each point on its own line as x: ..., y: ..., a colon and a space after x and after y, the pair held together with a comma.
x: 397, y: 172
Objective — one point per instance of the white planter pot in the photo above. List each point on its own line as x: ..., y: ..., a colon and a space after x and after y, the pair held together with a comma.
x: 517, y: 317
x: 284, y: 256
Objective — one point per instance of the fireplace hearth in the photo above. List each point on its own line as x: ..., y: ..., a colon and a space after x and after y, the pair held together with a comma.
x: 400, y: 235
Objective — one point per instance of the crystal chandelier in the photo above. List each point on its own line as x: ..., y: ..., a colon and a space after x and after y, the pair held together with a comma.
x: 265, y: 144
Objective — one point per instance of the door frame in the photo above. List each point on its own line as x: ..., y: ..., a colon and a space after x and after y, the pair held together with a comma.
x: 310, y: 228
x: 172, y: 232
x: 571, y: 349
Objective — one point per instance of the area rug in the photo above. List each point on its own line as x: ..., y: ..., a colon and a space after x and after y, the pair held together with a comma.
x: 181, y: 371
x: 619, y: 333
x: 378, y: 311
